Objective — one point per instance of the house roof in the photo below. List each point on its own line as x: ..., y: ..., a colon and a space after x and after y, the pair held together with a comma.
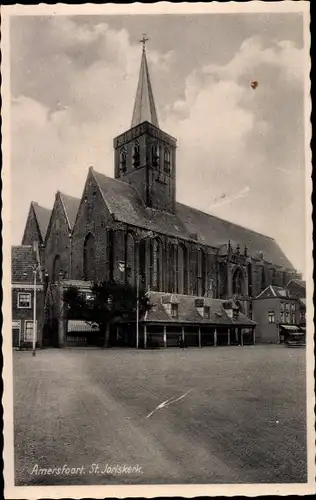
x: 71, y: 206
x: 126, y: 206
x: 273, y: 291
x: 188, y: 313
x: 300, y: 283
x: 42, y: 215
x: 23, y: 260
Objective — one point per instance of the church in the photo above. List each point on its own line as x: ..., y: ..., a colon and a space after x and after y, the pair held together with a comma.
x: 132, y: 227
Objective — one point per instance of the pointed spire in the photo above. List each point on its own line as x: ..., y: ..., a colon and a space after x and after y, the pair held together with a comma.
x: 144, y: 107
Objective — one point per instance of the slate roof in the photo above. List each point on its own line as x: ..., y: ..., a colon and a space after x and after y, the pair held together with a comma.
x: 188, y: 313
x: 273, y: 291
x: 298, y: 282
x: 23, y: 259
x: 126, y: 206
x: 71, y: 205
x: 42, y: 215
x: 144, y: 107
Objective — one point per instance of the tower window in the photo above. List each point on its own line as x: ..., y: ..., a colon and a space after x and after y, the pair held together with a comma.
x: 167, y: 161
x: 123, y: 161
x: 155, y: 155
x: 136, y: 155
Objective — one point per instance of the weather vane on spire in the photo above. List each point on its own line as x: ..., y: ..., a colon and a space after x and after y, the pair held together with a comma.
x: 144, y: 40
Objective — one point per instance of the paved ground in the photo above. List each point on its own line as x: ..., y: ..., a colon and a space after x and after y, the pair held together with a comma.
x: 242, y: 421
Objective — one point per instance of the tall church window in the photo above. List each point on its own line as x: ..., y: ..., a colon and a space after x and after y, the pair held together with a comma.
x: 89, y: 257
x: 183, y: 269
x: 123, y: 157
x: 238, y: 282
x: 155, y: 155
x: 172, y: 269
x: 194, y: 270
x: 130, y: 259
x: 167, y: 162
x: 249, y: 280
x: 56, y: 268
x: 274, y: 276
x: 155, y: 263
x: 201, y: 272
x: 142, y: 262
x: 136, y: 155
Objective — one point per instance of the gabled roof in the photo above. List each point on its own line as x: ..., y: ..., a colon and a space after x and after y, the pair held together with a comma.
x: 42, y: 215
x: 123, y: 201
x: 23, y: 260
x: 144, y: 107
x: 273, y: 291
x: 71, y: 206
x: 188, y: 313
x: 298, y: 282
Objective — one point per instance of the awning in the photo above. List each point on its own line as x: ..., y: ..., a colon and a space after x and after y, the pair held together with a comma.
x: 76, y: 325
x: 291, y: 328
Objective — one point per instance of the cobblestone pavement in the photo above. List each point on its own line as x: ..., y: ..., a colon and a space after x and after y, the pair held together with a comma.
x: 226, y: 415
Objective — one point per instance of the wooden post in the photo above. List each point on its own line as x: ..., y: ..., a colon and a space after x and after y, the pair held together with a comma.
x: 200, y: 343
x: 228, y: 338
x: 215, y: 337
x: 165, y: 336
x: 254, y: 335
x: 145, y: 336
x: 236, y: 335
x: 242, y: 336
x: 182, y: 333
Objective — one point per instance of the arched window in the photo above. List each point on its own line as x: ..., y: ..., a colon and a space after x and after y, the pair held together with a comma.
x: 155, y: 263
x: 238, y: 279
x: 167, y: 162
x: 274, y: 276
x: 201, y: 272
x: 172, y: 269
x: 136, y: 155
x: 89, y: 257
x: 142, y: 262
x: 183, y: 269
x: 56, y: 268
x: 249, y: 280
x: 123, y: 157
x: 155, y: 153
x: 130, y: 259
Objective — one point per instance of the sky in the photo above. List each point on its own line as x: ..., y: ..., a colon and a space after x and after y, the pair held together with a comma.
x: 240, y: 150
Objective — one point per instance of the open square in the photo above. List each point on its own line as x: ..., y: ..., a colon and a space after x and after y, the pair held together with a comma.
x: 235, y: 415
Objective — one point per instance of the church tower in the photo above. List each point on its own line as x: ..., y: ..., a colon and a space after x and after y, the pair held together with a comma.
x: 145, y: 156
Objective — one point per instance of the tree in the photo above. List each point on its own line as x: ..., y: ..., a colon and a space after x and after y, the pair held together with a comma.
x: 107, y: 302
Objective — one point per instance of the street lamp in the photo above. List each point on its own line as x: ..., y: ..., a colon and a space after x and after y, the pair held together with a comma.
x: 148, y: 235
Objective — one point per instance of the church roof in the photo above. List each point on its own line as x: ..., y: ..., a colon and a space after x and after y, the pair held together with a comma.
x: 188, y: 223
x: 144, y: 107
x: 71, y: 206
x: 23, y: 259
x: 42, y: 215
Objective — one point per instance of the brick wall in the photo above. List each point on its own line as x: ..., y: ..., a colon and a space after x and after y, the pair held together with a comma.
x: 57, y: 240
x: 31, y: 232
x: 93, y: 217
